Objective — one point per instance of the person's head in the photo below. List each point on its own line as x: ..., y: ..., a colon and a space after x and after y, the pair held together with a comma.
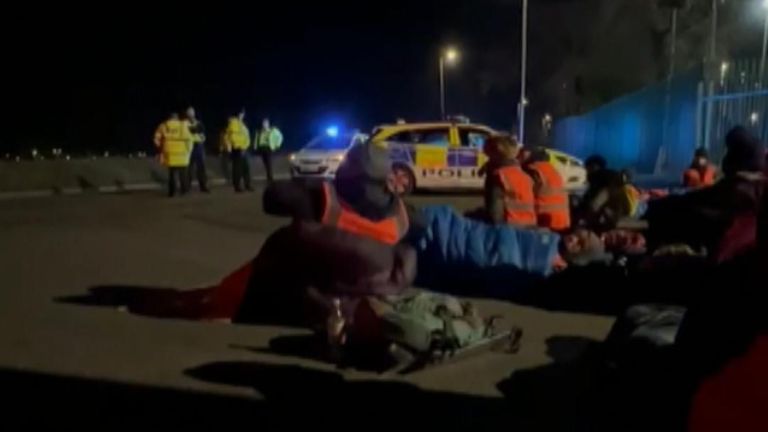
x: 365, y: 165
x: 173, y: 116
x: 626, y: 176
x: 190, y: 113
x: 582, y: 246
x: 501, y: 148
x: 744, y: 152
x: 700, y: 158
x: 241, y: 114
x: 539, y: 154
x: 595, y: 163
x: 265, y: 123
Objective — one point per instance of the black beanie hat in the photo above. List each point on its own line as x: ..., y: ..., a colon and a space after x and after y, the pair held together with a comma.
x: 701, y: 152
x: 743, y: 152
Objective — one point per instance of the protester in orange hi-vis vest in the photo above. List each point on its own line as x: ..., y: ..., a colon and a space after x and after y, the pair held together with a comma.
x: 551, y: 198
x: 509, y: 195
x: 701, y: 173
x: 339, y: 214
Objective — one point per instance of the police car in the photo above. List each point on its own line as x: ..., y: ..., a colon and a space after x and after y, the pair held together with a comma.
x: 449, y: 155
x: 321, y: 157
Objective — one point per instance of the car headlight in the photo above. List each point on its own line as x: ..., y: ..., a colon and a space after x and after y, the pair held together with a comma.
x: 339, y: 158
x: 292, y: 157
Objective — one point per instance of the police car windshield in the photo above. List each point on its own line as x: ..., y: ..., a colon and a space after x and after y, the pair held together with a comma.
x: 340, y: 142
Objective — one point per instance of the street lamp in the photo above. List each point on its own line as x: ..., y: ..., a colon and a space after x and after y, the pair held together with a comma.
x: 449, y: 56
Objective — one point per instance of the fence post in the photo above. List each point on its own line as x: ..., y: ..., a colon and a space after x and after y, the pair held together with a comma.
x: 699, y: 112
x: 708, y: 118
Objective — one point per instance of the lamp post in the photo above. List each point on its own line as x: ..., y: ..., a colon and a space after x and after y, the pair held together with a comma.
x: 765, y: 44
x: 449, y: 56
x: 523, y: 71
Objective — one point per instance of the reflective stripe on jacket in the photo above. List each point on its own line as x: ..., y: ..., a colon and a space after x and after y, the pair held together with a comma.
x: 518, y: 195
x: 552, y: 210
x: 339, y: 214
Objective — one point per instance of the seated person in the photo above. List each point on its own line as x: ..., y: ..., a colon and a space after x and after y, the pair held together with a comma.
x: 701, y: 172
x: 343, y: 242
x: 606, y: 201
x: 551, y: 198
x: 700, y: 218
x: 508, y: 189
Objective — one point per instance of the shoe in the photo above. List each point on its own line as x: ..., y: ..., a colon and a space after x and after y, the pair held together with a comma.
x: 249, y: 189
x: 205, y: 190
x: 238, y: 190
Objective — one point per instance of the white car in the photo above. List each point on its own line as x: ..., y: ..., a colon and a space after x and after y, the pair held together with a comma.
x: 323, y: 155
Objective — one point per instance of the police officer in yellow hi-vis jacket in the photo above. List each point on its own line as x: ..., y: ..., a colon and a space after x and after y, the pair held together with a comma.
x: 174, y: 144
x: 236, y: 141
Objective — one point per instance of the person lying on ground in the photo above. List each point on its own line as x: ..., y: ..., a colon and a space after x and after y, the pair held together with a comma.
x: 467, y: 254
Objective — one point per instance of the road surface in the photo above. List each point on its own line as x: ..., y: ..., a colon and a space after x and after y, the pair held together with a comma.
x: 89, y: 362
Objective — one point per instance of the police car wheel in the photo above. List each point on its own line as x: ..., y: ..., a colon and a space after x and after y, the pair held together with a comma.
x: 402, y: 180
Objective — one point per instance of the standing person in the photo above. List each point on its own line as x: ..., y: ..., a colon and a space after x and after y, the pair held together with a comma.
x: 197, y: 159
x: 237, y: 140
x: 701, y: 172
x: 174, y: 142
x: 270, y: 139
x: 509, y: 195
x: 551, y: 199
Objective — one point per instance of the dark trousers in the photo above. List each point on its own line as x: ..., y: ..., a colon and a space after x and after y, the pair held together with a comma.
x: 177, y: 178
x: 266, y: 158
x: 241, y: 171
x: 197, y: 168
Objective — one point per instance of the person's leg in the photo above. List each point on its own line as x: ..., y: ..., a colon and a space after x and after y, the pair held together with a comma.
x: 184, y: 179
x: 236, y: 170
x: 202, y: 175
x: 247, y: 172
x: 171, y: 182
x: 266, y: 157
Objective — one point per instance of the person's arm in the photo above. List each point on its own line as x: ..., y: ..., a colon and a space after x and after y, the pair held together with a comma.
x: 301, y: 201
x: 247, y: 135
x: 158, y: 138
x: 276, y: 139
x: 200, y: 132
x: 494, y: 201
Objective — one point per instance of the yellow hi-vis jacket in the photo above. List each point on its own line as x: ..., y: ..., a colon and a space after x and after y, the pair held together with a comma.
x: 174, y: 142
x: 236, y: 137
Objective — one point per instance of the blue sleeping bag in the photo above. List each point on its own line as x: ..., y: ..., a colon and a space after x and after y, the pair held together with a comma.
x: 464, y: 256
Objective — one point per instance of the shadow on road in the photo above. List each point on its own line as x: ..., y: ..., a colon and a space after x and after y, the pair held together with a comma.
x: 37, y: 398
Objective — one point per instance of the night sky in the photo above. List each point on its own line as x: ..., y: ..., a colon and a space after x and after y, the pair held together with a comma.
x: 104, y: 83
x: 102, y: 78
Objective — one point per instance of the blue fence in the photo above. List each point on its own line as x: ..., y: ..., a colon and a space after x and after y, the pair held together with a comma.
x: 630, y: 131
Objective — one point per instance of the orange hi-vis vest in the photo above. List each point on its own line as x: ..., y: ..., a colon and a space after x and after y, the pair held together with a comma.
x: 552, y: 210
x: 694, y: 178
x: 339, y: 214
x: 518, y: 196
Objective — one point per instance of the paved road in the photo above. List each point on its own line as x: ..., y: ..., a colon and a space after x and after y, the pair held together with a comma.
x: 50, y: 350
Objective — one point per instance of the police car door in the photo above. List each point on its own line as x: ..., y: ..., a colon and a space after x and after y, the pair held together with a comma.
x: 468, y: 157
x: 431, y: 156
